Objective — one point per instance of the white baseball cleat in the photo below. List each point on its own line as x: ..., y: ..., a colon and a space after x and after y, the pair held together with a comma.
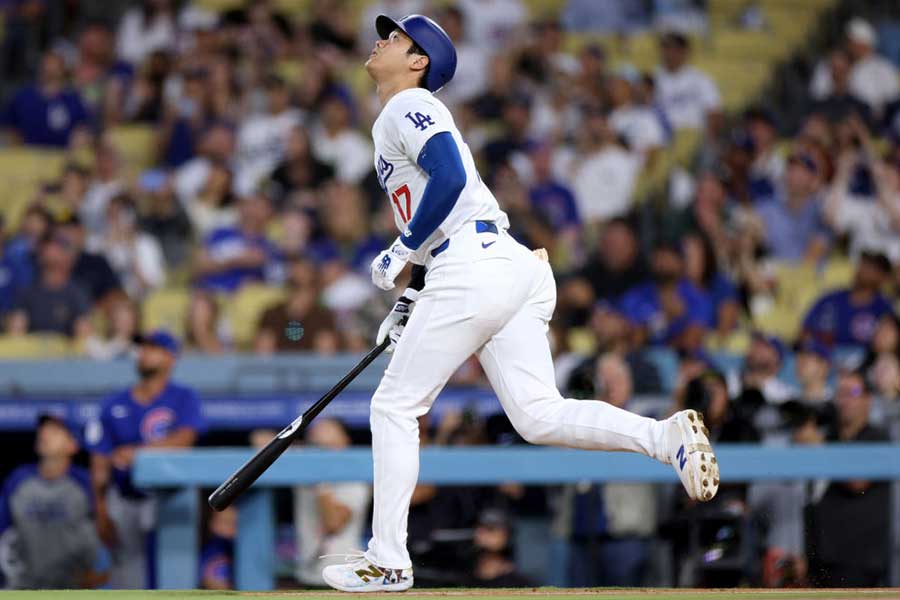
x: 359, y: 575
x: 691, y: 454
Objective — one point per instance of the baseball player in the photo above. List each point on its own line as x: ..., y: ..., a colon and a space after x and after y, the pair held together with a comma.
x: 481, y: 293
x: 154, y: 413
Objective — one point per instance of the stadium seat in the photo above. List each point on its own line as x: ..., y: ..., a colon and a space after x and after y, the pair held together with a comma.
x: 136, y: 145
x: 34, y: 346
x: 244, y: 309
x: 166, y: 308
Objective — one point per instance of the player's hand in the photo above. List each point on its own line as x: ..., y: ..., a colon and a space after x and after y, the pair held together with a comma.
x: 122, y: 457
x: 388, y: 265
x: 106, y: 530
x: 393, y: 325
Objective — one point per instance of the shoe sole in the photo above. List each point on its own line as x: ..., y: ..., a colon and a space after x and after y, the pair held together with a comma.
x: 703, y: 467
x: 390, y: 587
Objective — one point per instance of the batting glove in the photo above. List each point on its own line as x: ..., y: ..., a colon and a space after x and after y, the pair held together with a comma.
x: 388, y: 265
x: 393, y: 325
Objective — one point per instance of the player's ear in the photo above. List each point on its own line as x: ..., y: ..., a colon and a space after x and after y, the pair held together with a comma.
x: 420, y: 62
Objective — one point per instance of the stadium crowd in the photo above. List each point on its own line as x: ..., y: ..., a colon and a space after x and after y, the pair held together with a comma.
x: 768, y: 268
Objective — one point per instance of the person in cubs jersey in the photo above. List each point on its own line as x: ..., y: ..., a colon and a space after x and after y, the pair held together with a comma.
x: 474, y: 290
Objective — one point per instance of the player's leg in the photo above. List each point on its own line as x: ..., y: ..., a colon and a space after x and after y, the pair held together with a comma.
x: 129, y: 564
x: 519, y: 365
x: 437, y: 339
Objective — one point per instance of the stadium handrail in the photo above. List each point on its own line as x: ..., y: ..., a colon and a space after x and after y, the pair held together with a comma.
x: 178, y: 474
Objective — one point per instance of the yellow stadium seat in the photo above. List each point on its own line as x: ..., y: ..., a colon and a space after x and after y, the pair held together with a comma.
x: 736, y: 342
x: 166, y: 308
x: 795, y: 282
x: 34, y: 346
x: 838, y: 273
x: 245, y: 308
x: 783, y: 321
x: 581, y: 341
x: 136, y: 145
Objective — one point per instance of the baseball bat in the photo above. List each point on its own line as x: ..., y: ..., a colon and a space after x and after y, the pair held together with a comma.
x: 244, y: 477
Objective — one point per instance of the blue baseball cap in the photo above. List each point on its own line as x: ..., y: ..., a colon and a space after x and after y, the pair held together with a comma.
x: 773, y: 341
x: 813, y: 346
x: 160, y: 338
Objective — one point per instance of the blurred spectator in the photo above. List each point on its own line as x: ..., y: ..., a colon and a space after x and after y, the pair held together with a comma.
x: 707, y: 393
x: 701, y: 269
x: 136, y: 257
x: 840, y: 102
x: 604, y: 180
x: 842, y: 556
x: 55, y: 302
x: 492, y: 24
x: 233, y: 256
x: 670, y: 310
x: 101, y: 79
x: 300, y: 171
x: 554, y: 202
x: 163, y: 217
x: 471, y: 79
x: 299, y: 323
x: 612, y: 16
x: 761, y: 370
x: 145, y: 29
x: 610, y: 523
x: 849, y: 316
x: 154, y: 413
x: 328, y: 517
x: 492, y: 542
x: 873, y: 79
x: 49, y: 111
x: 216, y: 147
x: 614, y: 267
x: 106, y: 183
x: 635, y: 123
x: 336, y: 143
x: 689, y: 98
x: 767, y: 169
x: 217, y: 553
x: 793, y: 218
x: 205, y: 331
x: 45, y: 515
x: 116, y: 342
x: 213, y: 207
x: 91, y: 270
x: 812, y: 366
x: 262, y: 139
x: 882, y: 362
x: 514, y: 136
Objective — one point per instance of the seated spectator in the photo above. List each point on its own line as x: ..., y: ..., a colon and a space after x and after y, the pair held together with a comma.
x: 614, y: 267
x: 793, y: 219
x: 213, y: 207
x: 635, y: 123
x: 873, y: 79
x: 471, y: 78
x: 145, y: 29
x: 882, y: 362
x: 849, y: 316
x: 49, y: 111
x: 204, y: 327
x: 216, y: 147
x: 134, y: 256
x: 262, y: 139
x: 92, y: 270
x: 604, y: 180
x: 217, y: 553
x: 761, y: 369
x: 707, y: 393
x: 336, y: 143
x: 514, y: 135
x: 328, y: 517
x: 117, y: 341
x: 107, y: 182
x: 842, y: 556
x: 689, y: 97
x: 46, y: 525
x: 701, y: 269
x: 299, y: 171
x: 300, y: 322
x: 840, y: 102
x: 768, y: 164
x: 812, y: 366
x: 55, y: 302
x: 164, y: 217
x: 553, y: 200
x: 670, y: 310
x: 233, y: 256
x: 492, y: 541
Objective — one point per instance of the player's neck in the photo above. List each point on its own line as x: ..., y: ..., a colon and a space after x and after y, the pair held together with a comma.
x: 148, y: 389
x: 389, y: 89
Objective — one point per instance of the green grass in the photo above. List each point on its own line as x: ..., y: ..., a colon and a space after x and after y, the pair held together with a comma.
x: 474, y: 594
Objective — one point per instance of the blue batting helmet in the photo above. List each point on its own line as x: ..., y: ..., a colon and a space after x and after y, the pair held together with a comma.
x: 432, y: 39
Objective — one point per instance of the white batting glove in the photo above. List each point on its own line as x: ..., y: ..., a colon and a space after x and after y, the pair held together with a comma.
x: 393, y: 325
x: 388, y: 265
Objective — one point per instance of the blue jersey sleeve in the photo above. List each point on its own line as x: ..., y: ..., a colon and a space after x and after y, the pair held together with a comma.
x: 190, y: 414
x: 440, y: 158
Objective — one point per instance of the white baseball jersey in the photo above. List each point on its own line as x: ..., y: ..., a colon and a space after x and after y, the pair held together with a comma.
x: 408, y: 120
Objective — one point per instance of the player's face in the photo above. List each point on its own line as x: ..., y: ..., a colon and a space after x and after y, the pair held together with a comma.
x: 390, y: 56
x: 152, y: 360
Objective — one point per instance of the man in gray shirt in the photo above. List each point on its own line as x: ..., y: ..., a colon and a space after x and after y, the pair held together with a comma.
x: 47, y: 537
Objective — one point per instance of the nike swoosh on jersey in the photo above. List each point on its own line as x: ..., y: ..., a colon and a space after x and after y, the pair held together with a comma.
x: 488, y: 244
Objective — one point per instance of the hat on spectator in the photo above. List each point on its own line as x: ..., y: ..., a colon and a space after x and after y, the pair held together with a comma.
x: 813, y: 346
x: 773, y: 341
x: 674, y: 38
x: 159, y: 338
x: 69, y: 425
x: 877, y: 259
x: 804, y: 159
x: 861, y: 31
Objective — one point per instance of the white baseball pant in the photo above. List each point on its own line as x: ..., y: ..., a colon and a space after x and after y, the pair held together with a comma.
x: 488, y: 295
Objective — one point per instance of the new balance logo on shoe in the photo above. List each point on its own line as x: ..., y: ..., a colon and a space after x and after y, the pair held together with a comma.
x: 682, y: 459
x: 371, y: 571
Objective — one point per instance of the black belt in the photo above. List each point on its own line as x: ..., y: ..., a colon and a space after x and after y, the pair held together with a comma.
x: 480, y: 227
